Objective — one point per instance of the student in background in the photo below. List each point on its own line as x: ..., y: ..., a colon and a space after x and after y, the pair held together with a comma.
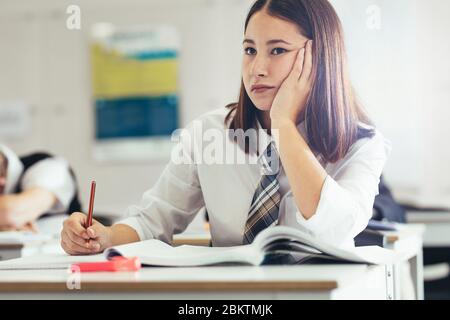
x: 297, y: 97
x: 32, y: 186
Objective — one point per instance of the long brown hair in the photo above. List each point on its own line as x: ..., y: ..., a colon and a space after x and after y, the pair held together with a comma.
x: 3, y: 165
x: 332, y: 113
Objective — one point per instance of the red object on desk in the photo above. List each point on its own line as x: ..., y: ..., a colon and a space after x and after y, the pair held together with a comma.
x: 118, y: 263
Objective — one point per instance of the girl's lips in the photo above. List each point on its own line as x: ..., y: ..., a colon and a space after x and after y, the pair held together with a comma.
x: 262, y: 90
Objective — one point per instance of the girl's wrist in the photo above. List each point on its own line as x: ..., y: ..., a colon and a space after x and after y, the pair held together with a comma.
x: 281, y: 122
x: 112, y: 236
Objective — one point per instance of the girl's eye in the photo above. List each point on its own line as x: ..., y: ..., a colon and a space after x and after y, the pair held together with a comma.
x: 249, y: 51
x: 278, y: 51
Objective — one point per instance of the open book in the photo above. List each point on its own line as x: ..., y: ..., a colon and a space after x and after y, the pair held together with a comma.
x: 276, y: 245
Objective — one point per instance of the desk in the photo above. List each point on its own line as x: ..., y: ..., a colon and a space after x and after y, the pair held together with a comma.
x: 408, y: 242
x: 17, y: 250
x: 240, y: 282
x: 437, y: 233
x: 46, y: 240
x: 269, y: 282
x: 436, y: 243
x: 11, y: 251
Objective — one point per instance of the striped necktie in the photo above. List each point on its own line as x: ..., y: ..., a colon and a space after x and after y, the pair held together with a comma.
x: 266, y: 200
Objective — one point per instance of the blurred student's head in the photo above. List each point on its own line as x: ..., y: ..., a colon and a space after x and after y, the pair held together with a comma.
x: 3, y: 170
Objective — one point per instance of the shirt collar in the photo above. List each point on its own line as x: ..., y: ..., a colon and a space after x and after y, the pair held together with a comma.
x: 264, y: 139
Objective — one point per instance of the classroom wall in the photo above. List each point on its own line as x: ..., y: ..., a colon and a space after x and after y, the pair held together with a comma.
x: 47, y: 65
x: 401, y: 73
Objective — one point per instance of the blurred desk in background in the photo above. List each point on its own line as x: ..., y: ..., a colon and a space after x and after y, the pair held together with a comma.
x: 437, y: 233
x: 436, y: 251
x: 21, y: 244
x: 193, y: 239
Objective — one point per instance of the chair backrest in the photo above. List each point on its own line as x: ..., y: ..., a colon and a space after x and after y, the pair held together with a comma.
x: 386, y: 207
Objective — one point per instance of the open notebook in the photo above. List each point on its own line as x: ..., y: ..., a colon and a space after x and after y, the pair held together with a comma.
x: 297, y: 246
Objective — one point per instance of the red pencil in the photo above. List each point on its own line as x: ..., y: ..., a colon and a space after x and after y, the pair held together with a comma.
x: 91, y: 205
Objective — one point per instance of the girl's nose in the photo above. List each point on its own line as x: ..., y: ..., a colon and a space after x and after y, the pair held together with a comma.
x: 259, y: 68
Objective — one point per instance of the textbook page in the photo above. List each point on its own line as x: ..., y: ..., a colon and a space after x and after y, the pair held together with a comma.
x: 158, y: 253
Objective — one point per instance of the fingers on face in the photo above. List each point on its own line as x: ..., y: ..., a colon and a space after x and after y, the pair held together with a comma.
x: 307, y: 66
x: 300, y: 62
x: 305, y: 77
x: 296, y: 71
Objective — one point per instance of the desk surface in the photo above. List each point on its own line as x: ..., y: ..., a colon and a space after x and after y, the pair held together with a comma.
x: 304, y: 281
x: 428, y: 217
x: 405, y: 233
x: 293, y: 279
x: 11, y: 246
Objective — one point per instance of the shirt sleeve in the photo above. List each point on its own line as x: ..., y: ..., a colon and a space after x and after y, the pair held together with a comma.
x: 52, y: 174
x: 173, y: 202
x: 346, y: 201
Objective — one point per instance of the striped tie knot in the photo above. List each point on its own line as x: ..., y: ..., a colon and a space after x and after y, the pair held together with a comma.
x: 266, y: 200
x: 270, y: 161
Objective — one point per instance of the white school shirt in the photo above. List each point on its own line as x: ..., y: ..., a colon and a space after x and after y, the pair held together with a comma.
x: 344, y: 209
x: 52, y: 174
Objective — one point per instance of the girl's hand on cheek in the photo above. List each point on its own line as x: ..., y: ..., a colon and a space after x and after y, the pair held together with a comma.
x: 293, y: 94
